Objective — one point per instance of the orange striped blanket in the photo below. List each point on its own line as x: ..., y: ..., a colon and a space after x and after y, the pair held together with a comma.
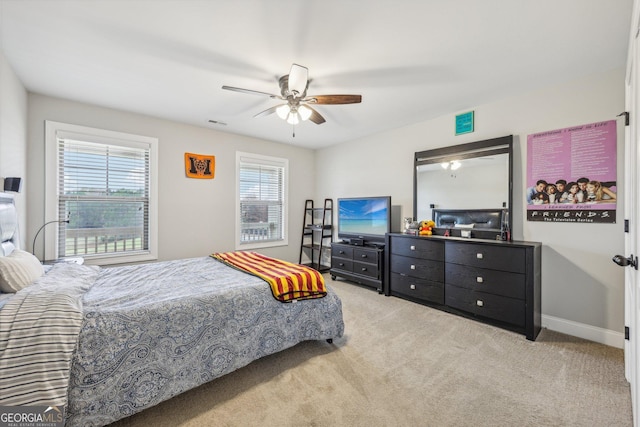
x: 288, y: 281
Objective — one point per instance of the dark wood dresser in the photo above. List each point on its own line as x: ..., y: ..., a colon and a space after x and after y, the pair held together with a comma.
x: 495, y: 282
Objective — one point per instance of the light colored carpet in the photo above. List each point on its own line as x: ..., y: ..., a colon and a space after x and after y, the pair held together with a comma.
x: 404, y: 364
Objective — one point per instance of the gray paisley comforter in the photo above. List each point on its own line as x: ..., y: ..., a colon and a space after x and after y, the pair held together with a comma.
x: 152, y: 331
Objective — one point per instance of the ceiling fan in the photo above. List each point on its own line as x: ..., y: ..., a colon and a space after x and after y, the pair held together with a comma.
x: 293, y: 90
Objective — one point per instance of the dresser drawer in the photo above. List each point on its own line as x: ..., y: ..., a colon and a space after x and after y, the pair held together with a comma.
x: 366, y: 255
x: 366, y: 269
x: 418, y: 247
x: 417, y: 288
x: 342, y: 251
x: 492, y: 306
x: 503, y: 283
x: 342, y: 264
x: 420, y: 268
x: 487, y: 256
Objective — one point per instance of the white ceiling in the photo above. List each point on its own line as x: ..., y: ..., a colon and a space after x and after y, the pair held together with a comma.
x: 411, y: 60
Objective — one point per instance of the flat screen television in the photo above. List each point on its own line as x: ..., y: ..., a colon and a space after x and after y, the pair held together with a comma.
x: 366, y: 218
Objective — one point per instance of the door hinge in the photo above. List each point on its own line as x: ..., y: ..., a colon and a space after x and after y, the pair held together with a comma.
x: 626, y: 225
x: 626, y: 333
x: 626, y: 117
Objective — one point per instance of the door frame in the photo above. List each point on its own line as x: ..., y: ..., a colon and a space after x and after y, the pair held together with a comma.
x: 632, y: 212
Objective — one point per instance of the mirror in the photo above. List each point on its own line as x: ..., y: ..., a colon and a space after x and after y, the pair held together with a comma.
x: 470, y: 177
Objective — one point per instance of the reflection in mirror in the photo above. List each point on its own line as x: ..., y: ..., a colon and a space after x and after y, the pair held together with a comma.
x: 470, y: 176
x: 477, y: 183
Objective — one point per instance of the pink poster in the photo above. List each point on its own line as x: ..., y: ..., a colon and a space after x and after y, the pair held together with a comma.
x: 571, y: 174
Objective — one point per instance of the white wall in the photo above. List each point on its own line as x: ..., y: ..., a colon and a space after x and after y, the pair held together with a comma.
x: 196, y: 216
x: 13, y: 135
x: 582, y: 290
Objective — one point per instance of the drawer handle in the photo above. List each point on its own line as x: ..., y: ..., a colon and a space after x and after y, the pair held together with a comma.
x: 341, y: 252
x: 413, y: 267
x: 364, y: 268
x: 412, y: 287
x: 480, y: 303
x: 479, y: 279
x: 413, y: 248
x: 363, y: 255
x: 341, y: 264
x: 479, y: 256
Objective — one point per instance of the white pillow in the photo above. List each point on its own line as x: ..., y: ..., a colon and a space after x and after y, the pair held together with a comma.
x: 18, y: 270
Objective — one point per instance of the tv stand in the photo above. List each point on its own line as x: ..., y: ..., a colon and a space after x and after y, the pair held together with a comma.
x: 360, y: 264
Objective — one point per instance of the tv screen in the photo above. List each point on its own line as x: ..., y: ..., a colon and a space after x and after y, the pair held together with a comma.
x: 367, y: 218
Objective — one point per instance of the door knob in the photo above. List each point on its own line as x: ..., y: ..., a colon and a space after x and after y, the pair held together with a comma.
x: 623, y: 262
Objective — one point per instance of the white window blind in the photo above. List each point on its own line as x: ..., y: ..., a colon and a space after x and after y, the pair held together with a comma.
x: 262, y: 200
x: 104, y: 192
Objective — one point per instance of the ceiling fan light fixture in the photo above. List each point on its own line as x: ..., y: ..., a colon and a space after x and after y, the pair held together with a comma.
x: 293, y: 118
x: 283, y: 111
x: 293, y: 91
x: 304, y: 112
x: 454, y: 164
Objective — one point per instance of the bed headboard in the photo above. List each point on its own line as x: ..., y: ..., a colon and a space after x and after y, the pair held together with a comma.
x: 9, y: 236
x: 484, y: 219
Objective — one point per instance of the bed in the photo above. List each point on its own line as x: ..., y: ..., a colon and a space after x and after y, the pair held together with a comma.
x: 137, y: 335
x: 482, y: 223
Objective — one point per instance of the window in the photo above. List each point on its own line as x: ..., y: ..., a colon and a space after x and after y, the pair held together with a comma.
x: 103, y: 184
x: 262, y: 207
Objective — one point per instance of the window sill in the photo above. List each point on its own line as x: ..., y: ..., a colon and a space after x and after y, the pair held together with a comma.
x: 119, y: 259
x: 261, y: 245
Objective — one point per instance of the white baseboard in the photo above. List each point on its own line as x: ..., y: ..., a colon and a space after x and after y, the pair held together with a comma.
x: 581, y: 330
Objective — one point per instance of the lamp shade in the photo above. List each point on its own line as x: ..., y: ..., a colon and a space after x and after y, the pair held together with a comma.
x: 293, y: 118
x: 304, y: 112
x: 12, y: 184
x: 283, y: 111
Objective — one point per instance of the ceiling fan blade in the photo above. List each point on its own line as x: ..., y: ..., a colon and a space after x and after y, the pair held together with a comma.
x: 268, y: 111
x: 334, y: 99
x: 298, y: 79
x: 251, y: 92
x: 315, y: 117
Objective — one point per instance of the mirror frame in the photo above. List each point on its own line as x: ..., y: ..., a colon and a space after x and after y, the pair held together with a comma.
x: 470, y: 150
